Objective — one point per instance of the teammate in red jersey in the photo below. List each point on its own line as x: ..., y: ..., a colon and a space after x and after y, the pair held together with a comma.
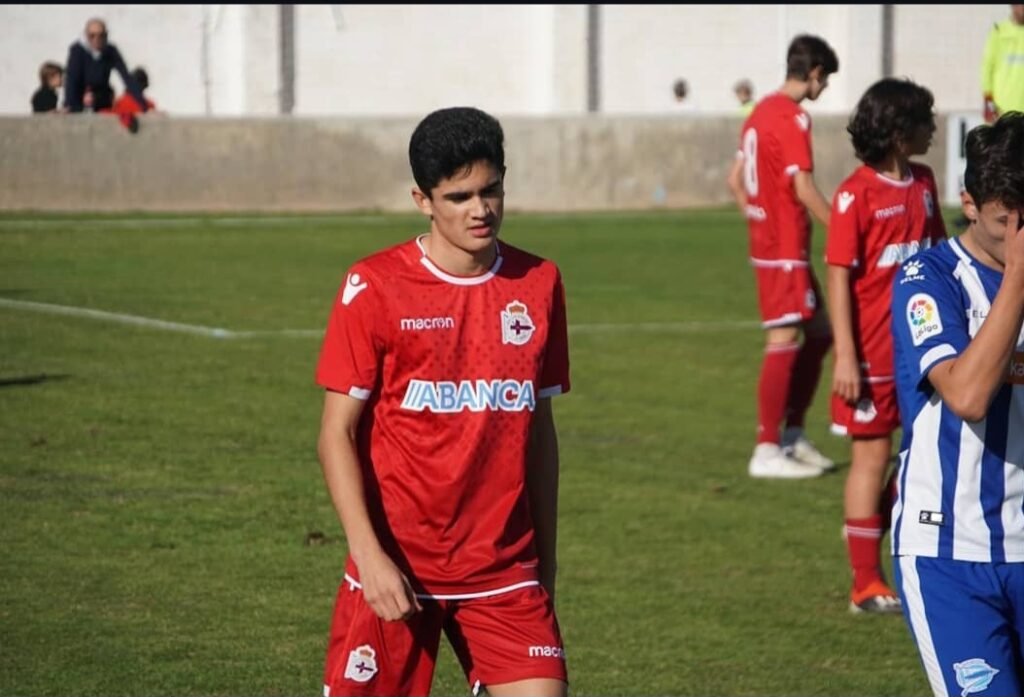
x: 884, y: 213
x: 773, y: 182
x: 437, y: 438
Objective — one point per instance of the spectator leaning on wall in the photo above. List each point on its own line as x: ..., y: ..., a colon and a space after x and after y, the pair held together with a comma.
x: 90, y: 61
x: 51, y: 77
x: 1002, y: 68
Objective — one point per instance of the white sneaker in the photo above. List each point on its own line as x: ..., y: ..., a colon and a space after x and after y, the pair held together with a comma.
x: 799, y: 448
x: 771, y: 462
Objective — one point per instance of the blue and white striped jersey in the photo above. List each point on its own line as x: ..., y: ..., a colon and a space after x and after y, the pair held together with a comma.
x: 961, y: 484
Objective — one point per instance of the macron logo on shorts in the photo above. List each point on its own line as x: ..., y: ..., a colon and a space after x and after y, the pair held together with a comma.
x: 547, y: 652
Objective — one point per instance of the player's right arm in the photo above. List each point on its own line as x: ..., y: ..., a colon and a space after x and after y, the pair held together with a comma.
x: 842, y: 253
x: 386, y: 589
x: 846, y: 371
x: 968, y: 382
x: 349, y: 368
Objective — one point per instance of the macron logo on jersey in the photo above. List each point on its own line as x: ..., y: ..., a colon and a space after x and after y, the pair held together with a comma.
x: 354, y: 285
x: 417, y: 324
x: 845, y: 200
x: 446, y: 397
x: 803, y: 121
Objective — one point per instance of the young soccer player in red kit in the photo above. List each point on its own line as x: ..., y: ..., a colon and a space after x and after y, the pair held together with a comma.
x: 437, y: 439
x: 882, y: 214
x: 773, y: 182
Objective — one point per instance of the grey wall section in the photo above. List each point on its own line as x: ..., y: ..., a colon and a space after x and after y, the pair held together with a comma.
x: 91, y: 163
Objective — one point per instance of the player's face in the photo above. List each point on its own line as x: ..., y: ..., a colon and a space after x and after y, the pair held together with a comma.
x: 1018, y: 13
x: 817, y: 81
x: 921, y: 139
x: 466, y: 209
x: 990, y: 223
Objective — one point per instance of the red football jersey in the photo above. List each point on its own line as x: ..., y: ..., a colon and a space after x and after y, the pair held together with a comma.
x: 451, y: 368
x: 877, y: 223
x: 775, y: 144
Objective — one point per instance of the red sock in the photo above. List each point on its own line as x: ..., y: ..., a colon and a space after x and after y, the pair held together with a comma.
x: 806, y: 374
x: 863, y: 542
x: 773, y: 389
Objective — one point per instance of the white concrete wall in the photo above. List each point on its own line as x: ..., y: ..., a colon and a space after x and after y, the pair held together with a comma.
x: 941, y: 46
x: 409, y: 59
x: 509, y: 59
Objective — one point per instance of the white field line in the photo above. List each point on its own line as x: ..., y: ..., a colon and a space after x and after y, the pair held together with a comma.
x: 222, y: 333
x: 231, y: 221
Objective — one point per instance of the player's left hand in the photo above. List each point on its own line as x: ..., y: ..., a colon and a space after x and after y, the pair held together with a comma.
x: 846, y: 379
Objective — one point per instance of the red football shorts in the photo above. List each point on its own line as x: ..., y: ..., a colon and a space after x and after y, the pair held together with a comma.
x: 877, y: 413
x: 787, y: 294
x: 498, y: 639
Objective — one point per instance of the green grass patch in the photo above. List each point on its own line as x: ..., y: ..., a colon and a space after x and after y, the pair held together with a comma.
x: 157, y: 488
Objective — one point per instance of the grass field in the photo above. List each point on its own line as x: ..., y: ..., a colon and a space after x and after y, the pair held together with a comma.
x: 157, y: 487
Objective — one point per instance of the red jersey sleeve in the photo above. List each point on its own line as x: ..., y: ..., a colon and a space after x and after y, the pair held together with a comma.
x: 554, y: 378
x: 352, y: 350
x: 795, y: 143
x: 843, y: 247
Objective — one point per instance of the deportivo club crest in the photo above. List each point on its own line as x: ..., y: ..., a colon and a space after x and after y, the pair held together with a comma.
x: 974, y: 675
x: 362, y: 664
x: 516, y: 325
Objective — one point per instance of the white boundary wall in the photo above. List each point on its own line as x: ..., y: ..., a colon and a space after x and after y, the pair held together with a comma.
x: 405, y: 60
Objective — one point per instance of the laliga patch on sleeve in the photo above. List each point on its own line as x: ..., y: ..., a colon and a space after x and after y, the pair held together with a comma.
x: 923, y: 317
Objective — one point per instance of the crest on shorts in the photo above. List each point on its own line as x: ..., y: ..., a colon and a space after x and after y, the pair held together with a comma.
x: 362, y: 664
x: 974, y: 675
x: 865, y: 412
x: 516, y: 325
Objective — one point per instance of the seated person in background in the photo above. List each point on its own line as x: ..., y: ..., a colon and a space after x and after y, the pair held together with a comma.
x: 90, y: 61
x: 127, y: 104
x: 51, y: 78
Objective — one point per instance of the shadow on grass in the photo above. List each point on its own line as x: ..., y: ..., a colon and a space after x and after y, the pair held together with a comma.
x: 26, y: 380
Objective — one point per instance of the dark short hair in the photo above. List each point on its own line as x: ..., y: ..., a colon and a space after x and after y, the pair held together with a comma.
x: 141, y: 77
x: 995, y: 161
x: 680, y: 88
x: 451, y: 140
x: 888, y: 112
x: 807, y: 52
x: 48, y: 70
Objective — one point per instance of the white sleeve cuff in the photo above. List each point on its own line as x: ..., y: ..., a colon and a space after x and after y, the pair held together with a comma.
x: 359, y: 393
x: 934, y: 355
x: 546, y: 392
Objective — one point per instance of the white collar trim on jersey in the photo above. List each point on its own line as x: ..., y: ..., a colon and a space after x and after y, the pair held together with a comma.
x: 902, y: 183
x: 459, y: 280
